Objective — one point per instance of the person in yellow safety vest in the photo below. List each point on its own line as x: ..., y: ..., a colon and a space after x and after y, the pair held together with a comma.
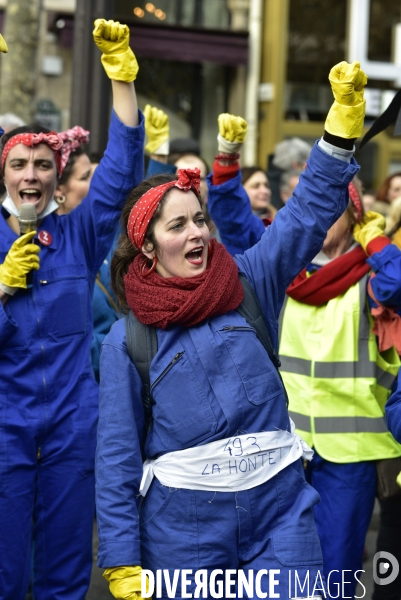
x: 339, y: 360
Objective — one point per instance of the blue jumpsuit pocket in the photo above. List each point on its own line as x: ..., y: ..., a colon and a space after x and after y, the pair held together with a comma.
x: 246, y: 351
x: 154, y: 503
x: 65, y: 296
x: 297, y: 550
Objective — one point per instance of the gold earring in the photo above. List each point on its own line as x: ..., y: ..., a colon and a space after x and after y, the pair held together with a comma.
x: 60, y: 199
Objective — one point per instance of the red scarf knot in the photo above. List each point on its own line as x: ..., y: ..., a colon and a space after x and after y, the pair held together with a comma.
x: 51, y: 139
x: 143, y: 211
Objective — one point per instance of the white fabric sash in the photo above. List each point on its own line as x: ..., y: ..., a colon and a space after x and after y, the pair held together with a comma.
x: 229, y: 465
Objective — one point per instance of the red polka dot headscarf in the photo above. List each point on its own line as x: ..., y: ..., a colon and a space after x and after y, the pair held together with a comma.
x: 143, y: 211
x: 355, y: 199
x: 52, y: 139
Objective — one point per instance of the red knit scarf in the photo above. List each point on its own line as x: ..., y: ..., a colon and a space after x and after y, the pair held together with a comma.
x: 185, y: 301
x: 330, y: 281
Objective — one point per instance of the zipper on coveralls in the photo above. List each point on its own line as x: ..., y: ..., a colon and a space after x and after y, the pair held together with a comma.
x: 237, y: 328
x: 176, y: 357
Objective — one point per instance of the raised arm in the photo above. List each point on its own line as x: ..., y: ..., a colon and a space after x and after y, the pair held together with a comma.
x: 299, y: 229
x: 122, y: 166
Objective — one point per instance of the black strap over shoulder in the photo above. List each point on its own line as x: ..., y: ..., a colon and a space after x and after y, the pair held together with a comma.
x: 142, y: 342
x: 142, y: 347
x: 251, y: 311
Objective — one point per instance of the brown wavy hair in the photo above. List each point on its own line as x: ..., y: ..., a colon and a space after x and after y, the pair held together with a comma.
x: 382, y: 192
x: 125, y: 251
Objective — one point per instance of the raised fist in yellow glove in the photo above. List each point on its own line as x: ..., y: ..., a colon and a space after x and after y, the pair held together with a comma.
x: 118, y: 60
x: 157, y: 129
x: 125, y: 582
x: 19, y: 261
x: 232, y: 133
x: 347, y: 113
x: 371, y: 227
x: 3, y: 44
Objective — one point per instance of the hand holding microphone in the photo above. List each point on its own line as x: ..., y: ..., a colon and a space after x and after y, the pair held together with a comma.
x: 22, y: 257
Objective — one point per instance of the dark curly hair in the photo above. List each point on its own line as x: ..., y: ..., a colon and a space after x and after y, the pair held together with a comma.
x: 125, y: 251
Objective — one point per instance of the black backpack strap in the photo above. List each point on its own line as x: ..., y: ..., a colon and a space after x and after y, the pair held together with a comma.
x: 251, y: 310
x: 142, y: 347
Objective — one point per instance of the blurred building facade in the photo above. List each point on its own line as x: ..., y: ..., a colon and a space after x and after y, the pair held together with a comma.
x: 267, y: 60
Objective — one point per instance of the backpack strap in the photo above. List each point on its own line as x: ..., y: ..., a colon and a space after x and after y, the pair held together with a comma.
x: 142, y: 347
x: 251, y: 310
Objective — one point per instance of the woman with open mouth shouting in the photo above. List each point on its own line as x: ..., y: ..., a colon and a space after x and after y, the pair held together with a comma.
x: 48, y: 395
x: 222, y: 484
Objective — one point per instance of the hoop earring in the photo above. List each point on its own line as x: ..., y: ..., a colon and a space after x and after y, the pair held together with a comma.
x: 145, y: 273
x: 60, y: 199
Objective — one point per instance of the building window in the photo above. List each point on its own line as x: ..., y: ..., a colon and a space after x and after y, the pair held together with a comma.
x: 212, y: 14
x: 316, y: 42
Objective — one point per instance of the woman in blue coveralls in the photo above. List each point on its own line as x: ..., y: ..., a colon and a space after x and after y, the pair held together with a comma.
x: 218, y: 406
x: 48, y: 396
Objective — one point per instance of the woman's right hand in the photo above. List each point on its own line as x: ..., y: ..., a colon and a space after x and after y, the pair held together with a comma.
x: 19, y: 261
x: 347, y: 113
x: 232, y: 133
x: 157, y: 130
x: 118, y: 59
x: 125, y: 582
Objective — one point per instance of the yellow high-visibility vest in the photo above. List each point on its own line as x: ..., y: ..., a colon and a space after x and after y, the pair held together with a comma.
x: 337, y: 380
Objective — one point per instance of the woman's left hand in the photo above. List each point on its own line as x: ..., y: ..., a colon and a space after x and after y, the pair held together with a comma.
x: 371, y: 227
x: 118, y: 59
x: 125, y: 582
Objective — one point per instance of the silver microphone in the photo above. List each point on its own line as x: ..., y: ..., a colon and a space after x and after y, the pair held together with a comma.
x: 28, y: 221
x: 27, y: 218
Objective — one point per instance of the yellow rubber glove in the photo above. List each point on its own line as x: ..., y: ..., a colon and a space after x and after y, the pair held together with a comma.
x: 347, y: 113
x: 125, y: 582
x: 232, y: 133
x: 118, y: 60
x: 3, y: 44
x: 20, y: 260
x: 372, y: 226
x: 157, y: 129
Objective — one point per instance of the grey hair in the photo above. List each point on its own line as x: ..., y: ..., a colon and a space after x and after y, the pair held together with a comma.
x: 10, y: 121
x: 291, y: 153
x: 287, y: 176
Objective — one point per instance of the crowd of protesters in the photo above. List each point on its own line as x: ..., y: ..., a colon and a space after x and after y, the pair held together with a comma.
x: 227, y: 316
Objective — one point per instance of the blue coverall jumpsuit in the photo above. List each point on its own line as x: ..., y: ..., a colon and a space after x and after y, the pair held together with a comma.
x: 48, y: 395
x: 210, y: 382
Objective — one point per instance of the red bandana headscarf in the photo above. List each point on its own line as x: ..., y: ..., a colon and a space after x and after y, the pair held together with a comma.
x: 143, y: 211
x: 72, y: 139
x: 186, y: 301
x: 52, y: 139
